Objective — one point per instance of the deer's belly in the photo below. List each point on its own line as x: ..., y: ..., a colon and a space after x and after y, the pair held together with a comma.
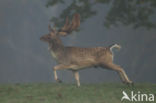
x: 85, y: 63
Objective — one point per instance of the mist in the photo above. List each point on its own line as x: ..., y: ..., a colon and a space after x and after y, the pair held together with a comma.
x: 24, y: 58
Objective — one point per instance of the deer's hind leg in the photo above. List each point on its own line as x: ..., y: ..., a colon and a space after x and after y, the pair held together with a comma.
x: 121, y: 72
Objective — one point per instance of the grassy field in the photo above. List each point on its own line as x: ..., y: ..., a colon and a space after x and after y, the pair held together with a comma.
x: 69, y: 93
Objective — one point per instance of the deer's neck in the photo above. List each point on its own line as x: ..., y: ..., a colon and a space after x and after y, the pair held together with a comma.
x: 56, y: 48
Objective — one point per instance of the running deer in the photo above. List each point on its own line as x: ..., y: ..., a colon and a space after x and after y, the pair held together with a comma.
x: 76, y: 58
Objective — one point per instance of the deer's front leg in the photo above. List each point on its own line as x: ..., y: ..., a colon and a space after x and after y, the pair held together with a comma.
x: 76, y: 74
x: 60, y: 67
x: 55, y: 74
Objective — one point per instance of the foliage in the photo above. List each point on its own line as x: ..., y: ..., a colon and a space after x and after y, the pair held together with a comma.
x: 137, y: 13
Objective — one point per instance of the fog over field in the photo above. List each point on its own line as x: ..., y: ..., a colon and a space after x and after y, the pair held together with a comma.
x: 24, y: 58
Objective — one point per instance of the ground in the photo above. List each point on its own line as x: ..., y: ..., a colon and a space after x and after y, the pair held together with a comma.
x: 69, y: 93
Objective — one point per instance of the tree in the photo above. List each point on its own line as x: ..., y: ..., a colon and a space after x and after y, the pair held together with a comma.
x: 136, y: 13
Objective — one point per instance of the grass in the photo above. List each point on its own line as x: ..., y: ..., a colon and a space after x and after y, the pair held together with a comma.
x: 69, y: 93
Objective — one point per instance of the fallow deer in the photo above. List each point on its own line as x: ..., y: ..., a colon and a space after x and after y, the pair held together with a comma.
x: 76, y: 58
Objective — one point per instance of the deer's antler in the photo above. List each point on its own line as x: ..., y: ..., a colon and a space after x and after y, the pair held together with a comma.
x: 69, y: 27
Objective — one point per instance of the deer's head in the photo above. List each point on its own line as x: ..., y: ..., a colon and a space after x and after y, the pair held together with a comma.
x: 68, y: 27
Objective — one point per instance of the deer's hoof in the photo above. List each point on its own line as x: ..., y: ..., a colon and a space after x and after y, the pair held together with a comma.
x: 131, y: 84
x: 78, y: 86
x: 59, y: 81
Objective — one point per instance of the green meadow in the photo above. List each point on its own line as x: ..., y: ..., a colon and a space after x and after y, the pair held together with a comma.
x: 69, y: 93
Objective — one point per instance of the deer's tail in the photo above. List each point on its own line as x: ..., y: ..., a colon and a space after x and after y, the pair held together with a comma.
x: 115, y: 46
